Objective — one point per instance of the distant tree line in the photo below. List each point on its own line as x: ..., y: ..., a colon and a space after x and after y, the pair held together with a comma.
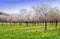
x: 42, y: 13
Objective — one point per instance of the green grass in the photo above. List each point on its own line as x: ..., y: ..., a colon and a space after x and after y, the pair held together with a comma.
x: 31, y: 32
x: 17, y: 34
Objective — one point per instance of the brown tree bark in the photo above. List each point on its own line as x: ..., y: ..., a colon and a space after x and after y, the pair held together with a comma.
x: 56, y: 23
x: 45, y: 25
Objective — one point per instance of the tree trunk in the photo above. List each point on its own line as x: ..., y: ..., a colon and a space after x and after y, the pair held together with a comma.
x: 20, y: 24
x: 45, y: 25
x: 56, y: 23
x: 27, y: 24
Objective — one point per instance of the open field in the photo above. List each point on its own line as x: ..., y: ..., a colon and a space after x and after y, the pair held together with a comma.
x: 29, y: 19
x: 29, y: 32
x: 16, y: 34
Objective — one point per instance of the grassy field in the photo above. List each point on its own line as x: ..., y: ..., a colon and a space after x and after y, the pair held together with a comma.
x: 30, y: 32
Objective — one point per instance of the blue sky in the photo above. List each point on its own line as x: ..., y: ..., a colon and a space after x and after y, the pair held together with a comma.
x: 14, y: 6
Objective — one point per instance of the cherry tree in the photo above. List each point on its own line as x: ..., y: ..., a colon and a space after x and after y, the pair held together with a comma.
x: 24, y: 16
x: 43, y: 10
